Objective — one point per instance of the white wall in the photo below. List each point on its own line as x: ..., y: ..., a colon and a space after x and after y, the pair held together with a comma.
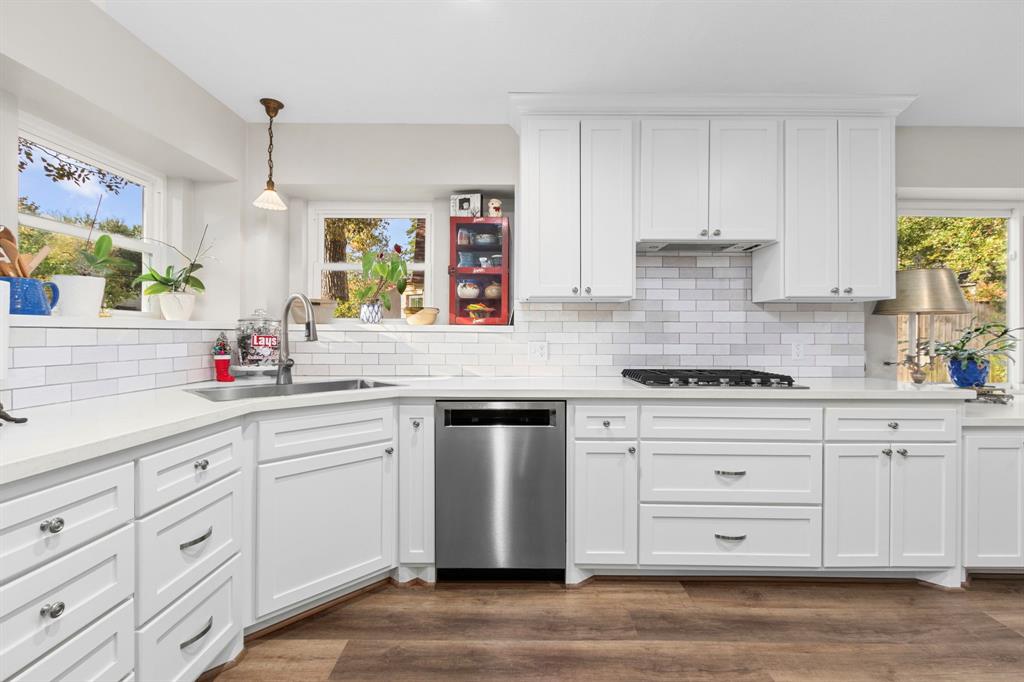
x: 960, y: 157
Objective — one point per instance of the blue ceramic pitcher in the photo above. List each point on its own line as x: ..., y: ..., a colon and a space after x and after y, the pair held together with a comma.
x: 28, y: 296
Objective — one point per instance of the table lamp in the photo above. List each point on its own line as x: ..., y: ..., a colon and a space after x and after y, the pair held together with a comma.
x: 923, y: 291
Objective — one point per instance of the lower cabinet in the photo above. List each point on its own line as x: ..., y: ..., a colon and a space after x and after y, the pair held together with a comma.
x: 994, y: 499
x: 890, y: 504
x: 323, y: 521
x: 605, y: 502
x: 416, y: 478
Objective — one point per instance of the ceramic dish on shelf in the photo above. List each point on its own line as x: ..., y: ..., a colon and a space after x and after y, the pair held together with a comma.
x: 467, y: 289
x: 425, y: 316
x: 485, y: 239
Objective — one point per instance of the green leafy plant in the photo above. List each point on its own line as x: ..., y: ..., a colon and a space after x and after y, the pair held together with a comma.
x: 176, y: 280
x: 383, y: 272
x: 980, y: 344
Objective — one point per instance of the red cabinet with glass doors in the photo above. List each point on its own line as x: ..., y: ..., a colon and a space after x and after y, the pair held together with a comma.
x: 478, y: 272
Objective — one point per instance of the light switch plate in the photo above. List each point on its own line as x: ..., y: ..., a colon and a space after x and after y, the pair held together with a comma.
x: 538, y: 350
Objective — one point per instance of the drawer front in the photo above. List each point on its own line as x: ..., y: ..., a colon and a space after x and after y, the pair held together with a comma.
x: 606, y: 421
x: 78, y: 511
x: 294, y: 436
x: 183, y: 641
x: 79, y: 587
x: 103, y: 652
x: 730, y: 536
x: 880, y: 424
x: 181, y: 544
x: 678, y: 422
x: 726, y: 473
x: 173, y: 473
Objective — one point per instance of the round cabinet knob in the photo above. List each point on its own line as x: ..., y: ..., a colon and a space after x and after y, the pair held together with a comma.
x: 887, y: 452
x: 201, y: 465
x: 848, y: 290
x: 903, y: 452
x: 894, y: 425
x: 587, y: 290
x: 389, y: 451
x: 632, y: 450
x: 703, y: 233
x: 834, y: 290
x: 52, y: 610
x: 415, y: 423
x: 606, y: 423
x: 54, y: 525
x: 575, y: 290
x: 716, y: 233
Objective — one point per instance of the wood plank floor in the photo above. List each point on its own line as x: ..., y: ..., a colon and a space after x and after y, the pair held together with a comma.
x: 655, y: 630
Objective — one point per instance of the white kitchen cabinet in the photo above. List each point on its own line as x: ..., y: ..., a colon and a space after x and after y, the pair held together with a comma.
x: 416, y: 484
x: 923, y: 505
x: 994, y: 499
x: 745, y: 192
x: 605, y: 502
x: 607, y: 240
x: 839, y: 236
x: 323, y: 521
x: 673, y: 179
x: 890, y: 504
x: 577, y: 197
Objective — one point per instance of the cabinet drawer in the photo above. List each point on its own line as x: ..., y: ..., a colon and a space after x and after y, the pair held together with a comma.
x: 181, y: 642
x: 167, y: 475
x: 103, y: 652
x: 179, y: 545
x: 293, y: 436
x: 881, y: 424
x: 80, y: 586
x: 78, y: 510
x: 729, y: 536
x: 683, y: 422
x: 767, y: 473
x: 606, y: 421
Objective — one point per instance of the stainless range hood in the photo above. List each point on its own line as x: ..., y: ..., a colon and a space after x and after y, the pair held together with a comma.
x: 699, y: 246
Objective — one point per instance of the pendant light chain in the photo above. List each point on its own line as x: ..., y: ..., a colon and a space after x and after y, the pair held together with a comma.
x: 270, y: 152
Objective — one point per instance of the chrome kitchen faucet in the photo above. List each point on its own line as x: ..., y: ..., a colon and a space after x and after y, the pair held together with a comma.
x: 284, y: 359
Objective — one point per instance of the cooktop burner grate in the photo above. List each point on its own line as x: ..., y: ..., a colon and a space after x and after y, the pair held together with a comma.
x: 696, y: 378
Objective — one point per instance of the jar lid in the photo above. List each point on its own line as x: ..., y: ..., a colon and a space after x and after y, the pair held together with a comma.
x: 259, y: 314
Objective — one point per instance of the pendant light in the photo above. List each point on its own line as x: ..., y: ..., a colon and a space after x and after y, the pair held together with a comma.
x: 270, y: 200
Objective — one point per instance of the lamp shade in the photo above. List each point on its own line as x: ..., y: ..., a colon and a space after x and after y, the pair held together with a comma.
x: 270, y: 201
x: 930, y: 291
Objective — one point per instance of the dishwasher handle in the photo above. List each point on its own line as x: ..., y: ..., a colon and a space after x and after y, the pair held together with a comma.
x: 501, y: 415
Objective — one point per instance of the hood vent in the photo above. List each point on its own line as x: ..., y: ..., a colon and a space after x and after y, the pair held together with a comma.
x: 665, y: 248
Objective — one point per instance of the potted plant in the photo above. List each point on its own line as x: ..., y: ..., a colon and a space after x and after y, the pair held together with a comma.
x: 81, y: 294
x: 382, y: 272
x: 176, y: 289
x: 969, y: 365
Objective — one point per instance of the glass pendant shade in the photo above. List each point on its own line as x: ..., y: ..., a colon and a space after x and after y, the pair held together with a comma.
x: 270, y: 200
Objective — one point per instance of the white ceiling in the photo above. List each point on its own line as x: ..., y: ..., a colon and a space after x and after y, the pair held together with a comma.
x: 406, y: 61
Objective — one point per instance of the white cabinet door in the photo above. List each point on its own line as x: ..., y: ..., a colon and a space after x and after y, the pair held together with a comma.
x: 416, y: 484
x: 923, y: 504
x: 745, y: 192
x: 550, y: 176
x: 607, y: 267
x: 673, y: 178
x: 323, y: 521
x: 856, y: 501
x: 867, y: 213
x: 605, y: 502
x: 812, y: 208
x: 994, y: 500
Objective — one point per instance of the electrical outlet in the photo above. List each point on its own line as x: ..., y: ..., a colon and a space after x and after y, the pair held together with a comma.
x: 538, y: 350
x: 797, y: 351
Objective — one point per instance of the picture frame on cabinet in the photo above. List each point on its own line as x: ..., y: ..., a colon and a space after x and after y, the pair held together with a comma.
x: 466, y: 205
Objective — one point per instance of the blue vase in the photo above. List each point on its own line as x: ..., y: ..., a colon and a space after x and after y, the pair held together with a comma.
x: 969, y: 375
x: 28, y: 296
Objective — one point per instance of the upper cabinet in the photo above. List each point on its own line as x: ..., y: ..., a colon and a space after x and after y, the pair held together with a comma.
x: 577, y: 193
x: 839, y: 235
x: 716, y: 179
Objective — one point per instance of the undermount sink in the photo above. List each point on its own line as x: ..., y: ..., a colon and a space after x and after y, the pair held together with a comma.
x: 220, y: 394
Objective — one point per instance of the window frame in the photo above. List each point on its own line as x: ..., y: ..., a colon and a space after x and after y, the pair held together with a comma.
x: 984, y: 204
x: 153, y: 197
x: 318, y: 211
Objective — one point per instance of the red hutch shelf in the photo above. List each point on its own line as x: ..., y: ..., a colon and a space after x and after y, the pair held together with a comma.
x: 478, y: 271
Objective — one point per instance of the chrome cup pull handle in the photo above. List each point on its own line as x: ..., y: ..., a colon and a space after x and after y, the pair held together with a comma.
x: 52, y: 610
x: 192, y: 543
x: 733, y: 538
x: 54, y: 525
x: 198, y: 636
x: 723, y: 472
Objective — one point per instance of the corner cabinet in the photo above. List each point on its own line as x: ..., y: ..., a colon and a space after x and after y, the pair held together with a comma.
x: 839, y: 238
x: 577, y: 237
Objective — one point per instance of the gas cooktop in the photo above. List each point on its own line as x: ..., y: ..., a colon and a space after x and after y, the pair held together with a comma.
x: 704, y: 378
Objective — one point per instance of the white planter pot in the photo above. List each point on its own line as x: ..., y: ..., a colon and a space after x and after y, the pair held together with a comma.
x: 79, y: 296
x: 177, y: 306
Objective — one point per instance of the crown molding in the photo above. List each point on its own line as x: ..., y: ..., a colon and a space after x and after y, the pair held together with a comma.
x: 678, y: 104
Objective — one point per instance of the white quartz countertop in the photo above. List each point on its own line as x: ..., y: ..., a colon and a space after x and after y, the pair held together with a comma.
x: 69, y: 433
x: 986, y: 414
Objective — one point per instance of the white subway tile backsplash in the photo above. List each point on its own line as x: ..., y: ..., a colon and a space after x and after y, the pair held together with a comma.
x: 39, y: 356
x: 68, y: 374
x: 118, y: 337
x: 139, y: 352
x: 61, y: 336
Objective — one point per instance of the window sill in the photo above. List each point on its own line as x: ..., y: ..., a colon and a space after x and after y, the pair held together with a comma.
x: 403, y: 326
x: 142, y: 322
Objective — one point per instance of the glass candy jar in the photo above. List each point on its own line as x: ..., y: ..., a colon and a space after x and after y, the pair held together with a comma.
x: 259, y: 338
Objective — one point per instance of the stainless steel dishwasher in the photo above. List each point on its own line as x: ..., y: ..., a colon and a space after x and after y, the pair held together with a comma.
x: 500, y: 485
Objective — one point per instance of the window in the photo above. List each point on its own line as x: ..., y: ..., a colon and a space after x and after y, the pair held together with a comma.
x: 340, y: 235
x: 978, y: 249
x: 63, y: 193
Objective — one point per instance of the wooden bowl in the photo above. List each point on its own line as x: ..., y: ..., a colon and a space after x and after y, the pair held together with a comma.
x: 423, y: 317
x: 323, y: 311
